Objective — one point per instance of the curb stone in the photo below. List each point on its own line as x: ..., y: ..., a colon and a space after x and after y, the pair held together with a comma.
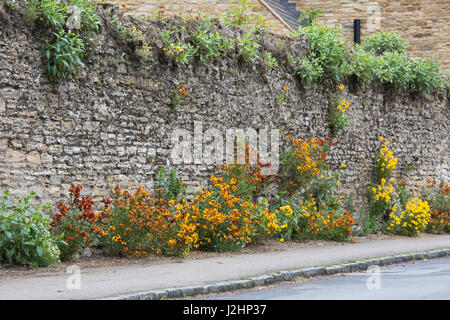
x: 283, y: 276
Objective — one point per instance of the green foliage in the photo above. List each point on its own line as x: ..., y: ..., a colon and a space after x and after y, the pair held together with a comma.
x: 327, y: 60
x: 64, y: 56
x: 182, y: 53
x: 324, y: 190
x: 368, y: 223
x: 52, y: 13
x: 238, y: 15
x: 382, y: 56
x: 426, y: 76
x: 65, y: 51
x: 90, y: 21
x: 248, y: 48
x: 24, y: 235
x: 382, y: 42
x: 269, y: 61
x: 363, y: 64
x: 168, y: 186
x: 309, y: 70
x: 210, y: 45
x: 336, y: 115
x: 282, y: 95
x: 395, y: 69
x: 309, y: 16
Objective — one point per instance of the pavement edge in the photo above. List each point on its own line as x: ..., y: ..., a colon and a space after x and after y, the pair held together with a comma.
x: 264, y: 280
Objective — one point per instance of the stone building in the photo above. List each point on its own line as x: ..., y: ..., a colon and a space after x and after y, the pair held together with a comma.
x: 423, y: 23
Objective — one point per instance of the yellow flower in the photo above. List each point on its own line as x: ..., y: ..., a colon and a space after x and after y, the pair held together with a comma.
x: 343, y: 165
x: 341, y: 87
x: 282, y: 240
x: 381, y: 138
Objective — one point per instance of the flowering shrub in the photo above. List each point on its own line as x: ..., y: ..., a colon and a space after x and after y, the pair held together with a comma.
x: 24, y: 235
x: 140, y: 223
x: 75, y: 224
x: 380, y: 198
x: 245, y: 180
x: 304, y: 162
x: 386, y: 162
x: 411, y: 221
x: 224, y: 221
x: 310, y: 219
x: 439, y: 198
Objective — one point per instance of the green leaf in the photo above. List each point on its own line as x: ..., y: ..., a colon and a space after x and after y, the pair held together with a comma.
x: 39, y: 251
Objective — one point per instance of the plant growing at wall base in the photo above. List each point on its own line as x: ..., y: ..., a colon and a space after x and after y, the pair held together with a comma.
x: 168, y: 186
x: 411, y: 221
x: 303, y: 162
x: 24, y: 235
x: 76, y: 225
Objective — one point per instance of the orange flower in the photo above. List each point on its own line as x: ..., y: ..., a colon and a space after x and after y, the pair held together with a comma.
x: 124, y: 5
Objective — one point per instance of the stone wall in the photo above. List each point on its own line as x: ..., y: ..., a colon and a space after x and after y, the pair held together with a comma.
x: 112, y: 124
x: 424, y: 24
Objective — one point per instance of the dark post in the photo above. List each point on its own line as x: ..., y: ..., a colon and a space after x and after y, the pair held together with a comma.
x: 357, y: 30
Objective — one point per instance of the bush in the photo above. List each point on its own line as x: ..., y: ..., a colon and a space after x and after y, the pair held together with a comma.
x: 52, y: 13
x: 303, y: 162
x: 269, y: 61
x: 210, y: 45
x: 380, y: 199
x: 168, y: 186
x: 224, y: 221
x: 426, y: 76
x: 141, y: 223
x: 382, y: 42
x: 76, y: 224
x: 395, y: 69
x: 438, y: 197
x: 248, y: 48
x: 311, y: 220
x: 245, y: 180
x: 238, y: 15
x: 327, y: 60
x: 410, y: 222
x: 90, y: 21
x: 24, y: 235
x: 363, y: 64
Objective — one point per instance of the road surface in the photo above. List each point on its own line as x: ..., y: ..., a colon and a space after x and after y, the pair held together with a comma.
x: 422, y: 280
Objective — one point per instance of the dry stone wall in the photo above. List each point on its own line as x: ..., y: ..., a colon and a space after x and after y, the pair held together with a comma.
x: 112, y: 124
x: 424, y: 24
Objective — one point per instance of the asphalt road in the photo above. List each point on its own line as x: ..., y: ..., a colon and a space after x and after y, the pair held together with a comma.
x: 423, y: 280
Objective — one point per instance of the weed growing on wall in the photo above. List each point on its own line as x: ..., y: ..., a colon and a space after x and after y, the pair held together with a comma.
x: 66, y: 24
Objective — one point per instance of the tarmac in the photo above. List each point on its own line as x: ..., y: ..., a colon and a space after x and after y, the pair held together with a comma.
x: 221, y: 273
